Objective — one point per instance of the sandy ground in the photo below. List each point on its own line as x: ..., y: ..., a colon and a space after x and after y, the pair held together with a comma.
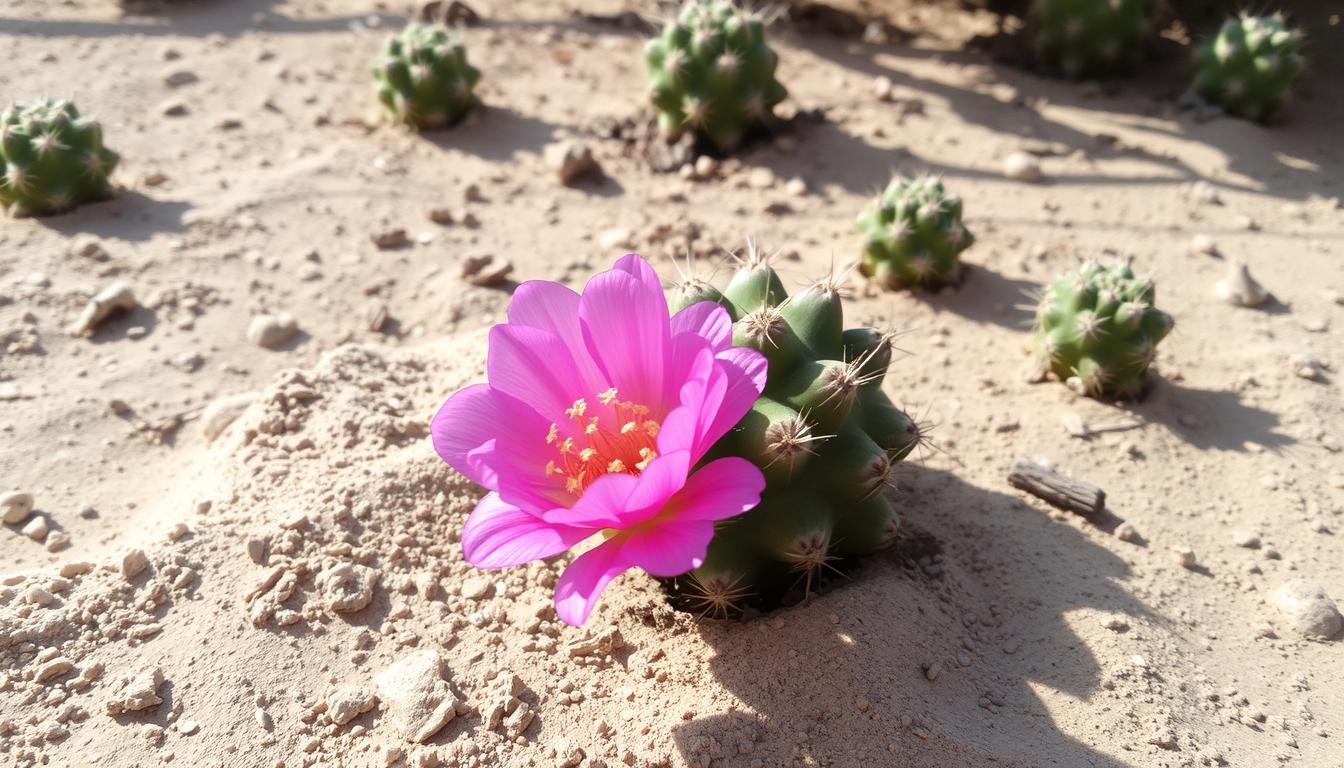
x: 999, y: 632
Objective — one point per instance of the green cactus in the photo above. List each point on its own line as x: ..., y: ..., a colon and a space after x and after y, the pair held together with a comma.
x: 1091, y: 38
x: 51, y: 159
x: 1249, y: 67
x: 711, y: 72
x: 912, y: 235
x: 423, y: 78
x: 824, y: 434
x: 1097, y: 330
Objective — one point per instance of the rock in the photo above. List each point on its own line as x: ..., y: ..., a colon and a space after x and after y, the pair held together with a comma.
x: 1203, y: 245
x: 15, y: 506
x: 1308, y: 609
x: 761, y: 178
x: 882, y: 88
x: 58, y: 541
x: 1239, y: 289
x: 1022, y: 166
x: 53, y: 669
x: 172, y: 108
x: 441, y: 215
x: 271, y: 331
x: 1204, y: 192
x: 188, y: 727
x: 88, y: 247
x: 36, y: 529
x: 796, y: 187
x: 223, y: 411
x: 616, y: 238
x: 477, y: 588
x: 419, y: 701
x: 1246, y: 539
x: 112, y: 299
x: 1128, y: 533
x: 77, y: 568
x: 38, y: 595
x: 347, y: 587
x: 132, y: 694
x: 345, y: 704
x: 482, y: 270
x: 389, y: 239
x: 1186, y: 557
x: 134, y: 563
x: 179, y: 78
x: 571, y: 160
x: 706, y: 167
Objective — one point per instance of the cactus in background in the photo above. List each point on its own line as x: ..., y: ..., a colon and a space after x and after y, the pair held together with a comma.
x: 912, y: 235
x: 1091, y: 38
x: 51, y: 159
x: 1250, y: 66
x: 1097, y: 330
x: 712, y: 73
x: 824, y: 434
x: 423, y: 78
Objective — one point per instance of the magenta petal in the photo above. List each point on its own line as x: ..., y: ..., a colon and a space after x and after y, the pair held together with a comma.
x: 707, y: 320
x: 634, y: 265
x: 463, y: 433
x: 744, y: 370
x: 721, y: 489
x: 533, y: 366
x: 498, y: 535
x: 555, y: 308
x: 583, y: 581
x: 669, y: 549
x: 626, y: 328
x: 621, y: 500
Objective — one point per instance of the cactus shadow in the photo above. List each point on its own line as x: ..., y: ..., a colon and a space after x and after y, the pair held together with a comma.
x: 988, y: 297
x: 841, y: 680
x: 494, y: 133
x: 130, y: 216
x: 1211, y: 418
x: 197, y: 19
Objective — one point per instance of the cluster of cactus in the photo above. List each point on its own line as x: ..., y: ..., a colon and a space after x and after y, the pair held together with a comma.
x: 824, y: 434
x: 1097, y: 330
x: 712, y: 73
x: 913, y: 235
x: 423, y: 78
x: 1091, y: 38
x: 1249, y: 67
x: 51, y: 159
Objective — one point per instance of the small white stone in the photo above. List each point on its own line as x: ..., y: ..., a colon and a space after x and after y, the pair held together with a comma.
x: 1308, y: 609
x: 15, y: 506
x: 571, y: 160
x: 1022, y: 166
x: 223, y: 411
x: 271, y: 331
x: 882, y: 88
x: 1186, y: 557
x: 1203, y: 245
x: 616, y: 238
x: 1245, y: 538
x: 1127, y: 532
x: 36, y: 529
x: 1239, y: 289
x: 133, y: 563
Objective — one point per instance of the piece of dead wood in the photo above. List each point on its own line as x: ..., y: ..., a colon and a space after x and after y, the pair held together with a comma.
x: 1076, y: 496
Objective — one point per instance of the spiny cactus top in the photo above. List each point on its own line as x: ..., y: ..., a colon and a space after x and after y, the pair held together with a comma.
x: 1097, y: 329
x: 824, y: 434
x: 1249, y: 67
x: 51, y: 159
x: 423, y: 78
x: 1091, y: 38
x: 912, y: 235
x: 712, y: 73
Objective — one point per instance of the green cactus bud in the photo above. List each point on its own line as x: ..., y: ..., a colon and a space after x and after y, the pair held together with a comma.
x: 868, y: 526
x: 775, y: 438
x: 711, y: 73
x: 1249, y: 67
x: 792, y: 525
x: 913, y: 235
x: 824, y: 391
x: 1097, y: 330
x: 423, y: 79
x: 888, y: 426
x: 766, y: 331
x: 816, y: 316
x: 1091, y: 38
x: 754, y: 286
x: 51, y: 159
x: 693, y: 291
x: 872, y: 349
x: 854, y: 467
x: 729, y: 574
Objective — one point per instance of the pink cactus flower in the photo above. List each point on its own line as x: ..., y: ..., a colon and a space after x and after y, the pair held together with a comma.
x: 597, y: 412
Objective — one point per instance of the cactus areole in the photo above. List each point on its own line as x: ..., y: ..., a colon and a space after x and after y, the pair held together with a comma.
x: 823, y: 433
x: 711, y: 73
x: 913, y: 235
x: 52, y: 159
x: 423, y: 79
x: 1091, y: 38
x: 1097, y: 330
x: 1249, y: 67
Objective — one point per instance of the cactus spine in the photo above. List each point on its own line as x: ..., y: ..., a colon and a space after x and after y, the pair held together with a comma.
x: 824, y: 434
x: 1091, y: 38
x: 913, y: 235
x: 423, y: 78
x: 1097, y: 330
x: 51, y: 159
x: 711, y: 73
x: 1249, y: 67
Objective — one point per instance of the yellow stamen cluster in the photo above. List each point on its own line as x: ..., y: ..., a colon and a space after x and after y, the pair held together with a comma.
x: 618, y: 437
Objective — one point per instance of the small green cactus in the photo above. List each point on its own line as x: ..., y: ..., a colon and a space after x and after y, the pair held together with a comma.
x: 824, y: 434
x: 913, y: 235
x: 1091, y: 38
x: 423, y: 78
x: 1249, y: 67
x: 1097, y: 330
x: 51, y: 159
x: 712, y: 73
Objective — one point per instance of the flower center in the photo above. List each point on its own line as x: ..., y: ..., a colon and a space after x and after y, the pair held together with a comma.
x: 617, y: 437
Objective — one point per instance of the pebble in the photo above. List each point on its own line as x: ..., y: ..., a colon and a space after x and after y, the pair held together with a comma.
x: 882, y: 88
x: 133, y: 694
x: 1246, y: 538
x: 616, y: 238
x: 188, y: 727
x: 477, y: 588
x: 36, y: 529
x: 172, y: 108
x: 1239, y: 289
x: 88, y: 247
x: 77, y: 568
x: 706, y: 167
x: 1127, y: 532
x: 484, y: 271
x: 347, y: 587
x: 223, y: 411
x: 38, y: 595
x: 1022, y: 166
x: 1186, y: 557
x: 1308, y: 609
x: 419, y: 701
x: 114, y: 298
x: 1203, y: 245
x: 271, y: 331
x: 134, y: 563
x: 57, y: 541
x: 1204, y: 192
x: 179, y: 78
x: 53, y: 669
x: 15, y: 506
x: 442, y: 215
x: 389, y: 239
x: 345, y: 704
x: 571, y: 160
x: 933, y: 671
x: 796, y: 187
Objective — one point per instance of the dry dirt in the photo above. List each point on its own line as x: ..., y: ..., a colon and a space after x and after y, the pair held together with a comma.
x: 1000, y: 632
